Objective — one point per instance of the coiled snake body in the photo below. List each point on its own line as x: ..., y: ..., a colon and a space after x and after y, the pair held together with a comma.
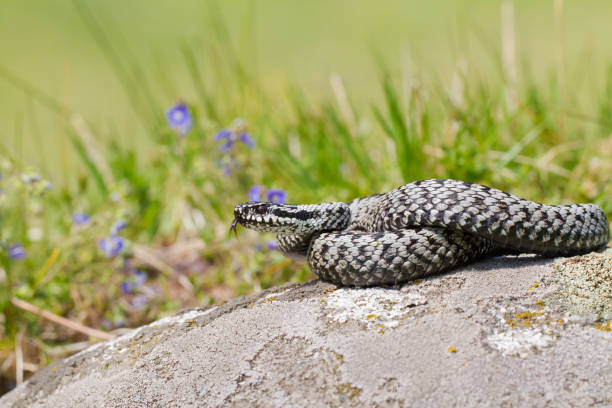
x: 422, y: 228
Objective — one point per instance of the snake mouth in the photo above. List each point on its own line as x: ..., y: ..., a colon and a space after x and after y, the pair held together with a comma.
x: 233, y: 227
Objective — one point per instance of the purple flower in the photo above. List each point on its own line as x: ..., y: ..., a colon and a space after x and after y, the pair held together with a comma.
x: 136, y: 280
x: 255, y: 193
x: 30, y: 178
x: 138, y: 302
x: 140, y: 277
x: 270, y: 245
x: 118, y: 226
x: 111, y: 245
x: 223, y: 134
x: 80, y: 218
x: 179, y: 118
x: 16, y: 251
x: 126, y: 288
x: 276, y: 196
x: 230, y: 138
x: 247, y: 140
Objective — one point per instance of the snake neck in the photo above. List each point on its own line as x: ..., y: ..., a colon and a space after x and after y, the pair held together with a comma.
x: 325, y: 218
x: 295, y: 246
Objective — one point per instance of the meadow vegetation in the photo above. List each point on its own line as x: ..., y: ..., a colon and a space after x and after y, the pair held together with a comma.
x: 138, y: 232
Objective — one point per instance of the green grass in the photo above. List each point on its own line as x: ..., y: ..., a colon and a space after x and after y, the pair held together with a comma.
x: 545, y: 136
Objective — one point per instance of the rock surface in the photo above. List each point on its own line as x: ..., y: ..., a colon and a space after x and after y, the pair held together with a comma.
x: 494, y: 333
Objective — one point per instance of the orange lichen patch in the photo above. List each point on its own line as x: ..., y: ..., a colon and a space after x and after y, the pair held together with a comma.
x: 348, y: 390
x: 452, y: 349
x: 535, y: 285
x: 528, y: 315
x: 54, y: 368
x: 604, y: 327
x: 371, y: 316
x: 524, y: 319
x: 540, y: 303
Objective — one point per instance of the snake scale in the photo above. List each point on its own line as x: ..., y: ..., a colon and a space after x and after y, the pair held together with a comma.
x: 422, y: 228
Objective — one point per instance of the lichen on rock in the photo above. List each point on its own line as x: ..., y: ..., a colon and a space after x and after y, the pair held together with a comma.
x: 585, y: 284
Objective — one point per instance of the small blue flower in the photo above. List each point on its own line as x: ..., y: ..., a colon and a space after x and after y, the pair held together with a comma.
x: 247, y: 140
x: 138, y: 302
x: 30, y: 178
x: 230, y: 137
x: 255, y: 193
x: 272, y: 245
x: 126, y: 288
x: 276, y: 196
x: 227, y: 146
x: 140, y: 277
x: 118, y: 226
x: 223, y: 134
x: 80, y: 218
x: 179, y: 118
x: 111, y: 245
x: 16, y: 251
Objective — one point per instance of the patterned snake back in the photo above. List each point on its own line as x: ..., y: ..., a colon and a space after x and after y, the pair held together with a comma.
x: 423, y: 228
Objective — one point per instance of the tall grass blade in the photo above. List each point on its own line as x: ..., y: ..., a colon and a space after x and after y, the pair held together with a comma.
x: 88, y: 162
x: 122, y: 73
x: 198, y: 83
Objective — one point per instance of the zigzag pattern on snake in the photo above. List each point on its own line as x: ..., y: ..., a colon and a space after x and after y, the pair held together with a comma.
x: 422, y: 228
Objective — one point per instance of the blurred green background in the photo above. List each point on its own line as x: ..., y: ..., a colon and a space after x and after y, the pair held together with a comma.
x: 111, y: 218
x: 49, y: 44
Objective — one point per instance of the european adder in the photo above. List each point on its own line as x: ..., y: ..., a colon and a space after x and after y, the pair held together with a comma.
x: 422, y: 228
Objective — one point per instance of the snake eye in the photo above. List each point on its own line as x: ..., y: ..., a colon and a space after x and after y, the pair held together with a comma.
x: 261, y: 208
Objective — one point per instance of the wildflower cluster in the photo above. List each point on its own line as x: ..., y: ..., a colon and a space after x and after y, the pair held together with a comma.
x: 237, y: 132
x: 113, y: 244
x: 258, y: 193
x: 231, y: 137
x: 20, y: 207
x: 136, y: 289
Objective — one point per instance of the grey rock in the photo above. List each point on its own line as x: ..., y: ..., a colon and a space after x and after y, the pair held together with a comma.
x: 482, y: 335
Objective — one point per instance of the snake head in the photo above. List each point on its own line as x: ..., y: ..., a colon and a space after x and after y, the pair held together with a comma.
x: 286, y: 218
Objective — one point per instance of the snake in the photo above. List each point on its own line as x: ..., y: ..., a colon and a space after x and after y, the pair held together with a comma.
x: 422, y: 228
